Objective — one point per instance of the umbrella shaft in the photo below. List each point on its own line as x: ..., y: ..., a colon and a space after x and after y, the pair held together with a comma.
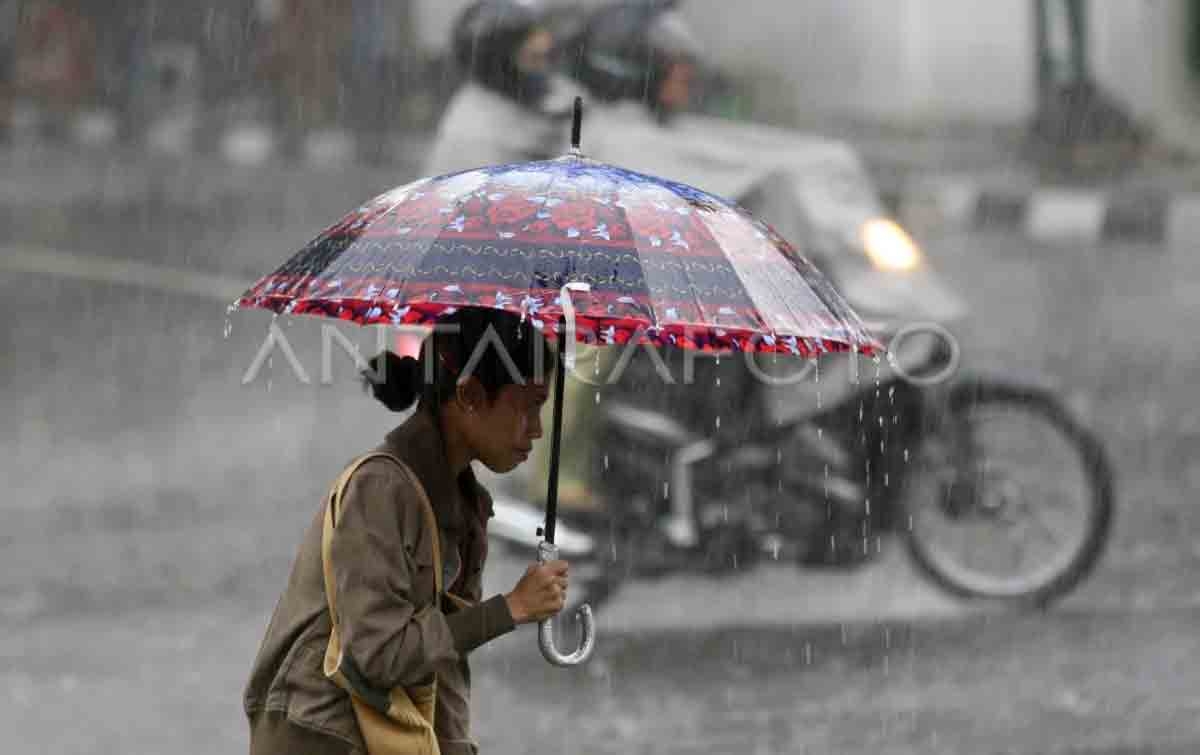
x: 556, y: 437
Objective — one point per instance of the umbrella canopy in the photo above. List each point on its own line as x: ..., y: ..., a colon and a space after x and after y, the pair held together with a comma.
x: 665, y: 263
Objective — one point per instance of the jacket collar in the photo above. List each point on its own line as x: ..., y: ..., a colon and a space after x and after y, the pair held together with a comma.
x: 418, y: 443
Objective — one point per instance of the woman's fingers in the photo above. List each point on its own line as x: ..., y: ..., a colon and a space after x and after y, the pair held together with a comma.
x: 541, y: 593
x: 548, y: 583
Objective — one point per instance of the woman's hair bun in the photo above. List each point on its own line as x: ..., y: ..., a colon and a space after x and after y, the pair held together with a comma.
x: 394, y: 380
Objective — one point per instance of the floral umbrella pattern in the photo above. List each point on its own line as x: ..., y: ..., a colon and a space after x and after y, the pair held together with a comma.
x: 666, y: 263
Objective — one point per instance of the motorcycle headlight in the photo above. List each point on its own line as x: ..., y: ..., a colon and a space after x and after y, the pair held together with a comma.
x: 889, y: 246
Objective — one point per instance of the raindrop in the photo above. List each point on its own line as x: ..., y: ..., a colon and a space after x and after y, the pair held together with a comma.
x: 605, y: 462
x: 718, y: 423
x: 228, y: 327
x: 597, y: 398
x: 906, y: 456
x: 666, y: 490
x: 808, y: 654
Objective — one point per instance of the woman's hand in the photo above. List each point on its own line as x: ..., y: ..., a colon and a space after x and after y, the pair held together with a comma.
x: 540, y: 594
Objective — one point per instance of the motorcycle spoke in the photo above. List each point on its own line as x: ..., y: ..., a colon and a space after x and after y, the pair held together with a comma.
x: 1052, y: 535
x: 1016, y: 539
x: 969, y: 554
x: 1049, y: 495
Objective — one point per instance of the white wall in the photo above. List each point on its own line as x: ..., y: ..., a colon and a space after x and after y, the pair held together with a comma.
x: 434, y: 19
x: 1139, y: 52
x: 915, y: 60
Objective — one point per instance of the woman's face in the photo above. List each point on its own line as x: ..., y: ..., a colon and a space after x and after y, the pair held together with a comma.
x: 504, y: 429
x: 534, y: 54
x: 675, y: 94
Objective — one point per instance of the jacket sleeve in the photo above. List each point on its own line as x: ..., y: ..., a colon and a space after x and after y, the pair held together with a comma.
x: 391, y: 642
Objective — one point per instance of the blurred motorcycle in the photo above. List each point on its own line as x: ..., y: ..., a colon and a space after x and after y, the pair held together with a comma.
x: 995, y: 488
x: 997, y: 491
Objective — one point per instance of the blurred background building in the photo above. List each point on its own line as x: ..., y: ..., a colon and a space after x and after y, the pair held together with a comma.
x: 171, y: 72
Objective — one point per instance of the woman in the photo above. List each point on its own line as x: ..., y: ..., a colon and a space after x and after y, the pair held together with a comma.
x: 391, y: 629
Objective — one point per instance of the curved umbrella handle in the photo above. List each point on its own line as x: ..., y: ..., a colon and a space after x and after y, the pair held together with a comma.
x: 549, y: 552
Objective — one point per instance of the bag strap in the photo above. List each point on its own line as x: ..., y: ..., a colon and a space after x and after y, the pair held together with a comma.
x: 335, y: 498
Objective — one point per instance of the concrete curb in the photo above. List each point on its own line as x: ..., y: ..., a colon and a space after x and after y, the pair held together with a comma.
x: 1048, y: 214
x: 246, y: 164
x: 174, y: 167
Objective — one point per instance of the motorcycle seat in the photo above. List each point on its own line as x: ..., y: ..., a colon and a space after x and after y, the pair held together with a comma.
x: 643, y: 424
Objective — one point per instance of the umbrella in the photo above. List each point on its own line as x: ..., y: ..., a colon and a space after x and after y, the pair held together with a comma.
x: 587, y: 251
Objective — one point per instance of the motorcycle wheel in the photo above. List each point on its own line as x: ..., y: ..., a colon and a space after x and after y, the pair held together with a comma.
x: 1003, y: 497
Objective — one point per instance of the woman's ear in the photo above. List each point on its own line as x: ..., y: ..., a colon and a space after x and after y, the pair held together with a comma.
x: 470, y: 395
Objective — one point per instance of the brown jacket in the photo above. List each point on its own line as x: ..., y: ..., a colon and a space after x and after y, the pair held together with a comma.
x: 383, y: 569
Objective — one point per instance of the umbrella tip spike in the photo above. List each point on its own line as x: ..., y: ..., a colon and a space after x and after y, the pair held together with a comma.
x: 577, y: 125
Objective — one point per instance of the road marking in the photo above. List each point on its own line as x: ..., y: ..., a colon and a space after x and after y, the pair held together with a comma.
x: 1062, y: 215
x: 97, y: 268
